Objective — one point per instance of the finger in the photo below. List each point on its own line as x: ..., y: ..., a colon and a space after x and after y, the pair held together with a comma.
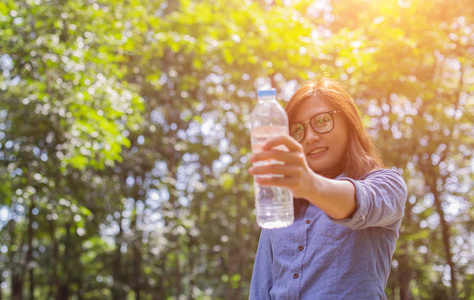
x: 275, y: 169
x: 281, y: 156
x: 288, y: 182
x: 283, y: 139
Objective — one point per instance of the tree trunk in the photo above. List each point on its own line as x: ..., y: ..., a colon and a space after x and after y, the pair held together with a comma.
x: 79, y: 277
x: 16, y: 279
x: 17, y: 286
x: 230, y: 266
x: 117, y: 291
x: 446, y: 238
x: 136, y: 254
x: 404, y: 269
x: 393, y: 288
x: 29, y: 253
x: 431, y: 180
x: 64, y: 285
x: 190, y: 264
x: 161, y: 291
x: 54, y: 260
x: 177, y: 271
x: 137, y: 259
x: 240, y: 241
x: 404, y: 273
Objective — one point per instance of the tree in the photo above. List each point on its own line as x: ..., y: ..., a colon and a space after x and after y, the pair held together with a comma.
x: 124, y: 137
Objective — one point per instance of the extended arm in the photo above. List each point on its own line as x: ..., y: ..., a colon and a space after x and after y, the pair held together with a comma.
x: 377, y: 200
x: 380, y: 200
x: 336, y: 198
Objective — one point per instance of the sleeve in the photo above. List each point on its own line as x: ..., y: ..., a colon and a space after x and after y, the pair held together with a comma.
x: 262, y: 275
x: 380, y: 200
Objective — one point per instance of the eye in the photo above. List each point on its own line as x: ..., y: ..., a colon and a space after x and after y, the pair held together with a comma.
x: 321, y: 120
x: 296, y: 130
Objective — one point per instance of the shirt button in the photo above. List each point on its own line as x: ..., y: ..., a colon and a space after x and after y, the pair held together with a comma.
x: 300, y: 248
x: 295, y: 276
x: 308, y: 221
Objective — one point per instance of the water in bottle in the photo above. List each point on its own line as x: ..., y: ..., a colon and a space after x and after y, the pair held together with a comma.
x: 274, y: 205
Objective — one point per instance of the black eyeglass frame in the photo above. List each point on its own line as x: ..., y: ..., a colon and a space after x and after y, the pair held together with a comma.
x: 331, y: 113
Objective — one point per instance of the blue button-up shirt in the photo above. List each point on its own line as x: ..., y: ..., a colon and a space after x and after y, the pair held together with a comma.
x: 318, y: 257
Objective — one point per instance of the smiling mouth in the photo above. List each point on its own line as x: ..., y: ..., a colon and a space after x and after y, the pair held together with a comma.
x: 319, y: 150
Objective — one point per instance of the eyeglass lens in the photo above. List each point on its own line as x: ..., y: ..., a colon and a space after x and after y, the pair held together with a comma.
x: 321, y: 123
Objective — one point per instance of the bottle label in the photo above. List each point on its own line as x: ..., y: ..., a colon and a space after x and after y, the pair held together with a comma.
x: 258, y: 137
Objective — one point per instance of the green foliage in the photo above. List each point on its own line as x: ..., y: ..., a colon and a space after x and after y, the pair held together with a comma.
x: 124, y: 137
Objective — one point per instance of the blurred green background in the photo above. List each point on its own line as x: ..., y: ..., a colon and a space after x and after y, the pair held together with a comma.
x: 124, y: 137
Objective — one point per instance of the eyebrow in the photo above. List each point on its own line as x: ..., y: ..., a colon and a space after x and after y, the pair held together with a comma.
x: 322, y: 112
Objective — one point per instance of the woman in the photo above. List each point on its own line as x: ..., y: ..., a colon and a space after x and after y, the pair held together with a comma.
x: 348, y: 209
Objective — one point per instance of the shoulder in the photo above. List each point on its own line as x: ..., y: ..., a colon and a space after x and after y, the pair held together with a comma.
x: 382, y: 173
x: 381, y: 180
x: 386, y: 179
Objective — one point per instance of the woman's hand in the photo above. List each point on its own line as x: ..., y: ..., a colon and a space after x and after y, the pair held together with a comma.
x: 295, y: 173
x: 335, y: 197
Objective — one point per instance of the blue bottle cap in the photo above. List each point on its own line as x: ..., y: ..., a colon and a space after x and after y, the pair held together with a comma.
x: 269, y: 92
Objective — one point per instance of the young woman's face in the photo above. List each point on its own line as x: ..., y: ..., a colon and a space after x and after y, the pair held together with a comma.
x: 324, y: 152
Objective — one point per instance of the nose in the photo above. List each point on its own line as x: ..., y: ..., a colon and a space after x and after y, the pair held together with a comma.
x: 310, y: 135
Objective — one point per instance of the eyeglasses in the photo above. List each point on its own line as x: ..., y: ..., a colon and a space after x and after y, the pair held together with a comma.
x: 321, y: 123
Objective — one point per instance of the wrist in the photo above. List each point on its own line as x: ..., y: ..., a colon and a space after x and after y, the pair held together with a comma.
x: 314, y: 188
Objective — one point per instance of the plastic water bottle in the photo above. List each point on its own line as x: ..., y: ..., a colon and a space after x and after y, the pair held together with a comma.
x: 274, y: 205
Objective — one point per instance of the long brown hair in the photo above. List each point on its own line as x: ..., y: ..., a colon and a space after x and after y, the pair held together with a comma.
x: 361, y: 154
